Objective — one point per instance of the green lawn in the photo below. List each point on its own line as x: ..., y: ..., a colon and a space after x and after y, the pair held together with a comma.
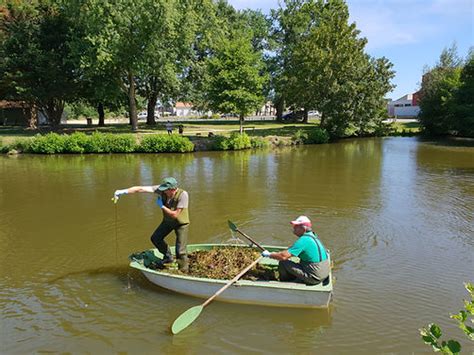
x: 192, y: 129
x: 411, y: 127
x: 198, y: 128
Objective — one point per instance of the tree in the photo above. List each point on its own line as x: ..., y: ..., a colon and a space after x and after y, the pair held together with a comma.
x: 135, y: 41
x: 464, y: 100
x: 37, y: 65
x: 438, y: 87
x: 219, y: 23
x: 325, y: 67
x: 236, y: 77
x: 171, y: 53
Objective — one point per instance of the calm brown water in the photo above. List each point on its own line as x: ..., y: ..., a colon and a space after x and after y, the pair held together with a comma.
x: 397, y: 214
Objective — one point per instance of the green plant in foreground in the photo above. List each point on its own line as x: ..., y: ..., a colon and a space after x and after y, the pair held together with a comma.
x: 432, y: 334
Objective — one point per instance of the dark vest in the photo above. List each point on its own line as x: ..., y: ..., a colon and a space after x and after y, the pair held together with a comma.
x: 172, y: 204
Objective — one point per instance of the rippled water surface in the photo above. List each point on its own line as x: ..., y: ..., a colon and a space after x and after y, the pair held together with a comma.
x: 397, y: 214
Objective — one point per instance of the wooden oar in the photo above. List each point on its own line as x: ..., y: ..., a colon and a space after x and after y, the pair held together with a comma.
x: 236, y: 229
x: 189, y: 316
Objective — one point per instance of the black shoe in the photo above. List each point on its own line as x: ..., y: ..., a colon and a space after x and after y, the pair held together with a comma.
x: 161, y: 264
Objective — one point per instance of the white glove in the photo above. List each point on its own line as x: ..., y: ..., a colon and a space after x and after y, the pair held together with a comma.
x: 117, y: 193
x: 266, y: 253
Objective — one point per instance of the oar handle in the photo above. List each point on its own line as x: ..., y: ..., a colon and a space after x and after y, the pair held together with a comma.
x: 209, y: 300
x: 253, y: 241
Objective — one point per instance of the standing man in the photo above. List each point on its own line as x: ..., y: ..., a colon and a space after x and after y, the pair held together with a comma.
x: 169, y: 127
x: 313, y: 267
x: 174, y: 204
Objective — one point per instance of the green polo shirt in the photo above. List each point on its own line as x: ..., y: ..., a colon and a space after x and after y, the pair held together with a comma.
x: 309, y: 249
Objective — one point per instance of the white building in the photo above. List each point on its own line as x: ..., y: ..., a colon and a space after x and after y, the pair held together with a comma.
x: 404, y: 107
x: 183, y: 109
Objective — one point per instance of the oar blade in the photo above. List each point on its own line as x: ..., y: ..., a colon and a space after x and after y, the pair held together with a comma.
x: 186, y: 318
x: 232, y: 226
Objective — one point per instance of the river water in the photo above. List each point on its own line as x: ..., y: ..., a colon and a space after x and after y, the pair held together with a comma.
x: 397, y: 214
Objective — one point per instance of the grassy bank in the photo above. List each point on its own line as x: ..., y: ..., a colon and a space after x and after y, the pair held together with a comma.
x: 202, y: 135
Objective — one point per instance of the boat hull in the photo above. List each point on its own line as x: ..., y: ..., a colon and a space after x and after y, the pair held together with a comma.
x: 268, y: 293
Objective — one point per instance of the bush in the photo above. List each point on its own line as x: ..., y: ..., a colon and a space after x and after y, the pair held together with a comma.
x: 78, y: 143
x: 110, y: 143
x: 236, y: 141
x: 160, y: 143
x: 431, y: 335
x: 21, y: 145
x: 124, y: 143
x: 317, y: 136
x: 385, y: 129
x: 75, y: 143
x: 300, y: 137
x: 96, y: 143
x: 259, y: 142
x: 314, y: 135
x: 51, y: 143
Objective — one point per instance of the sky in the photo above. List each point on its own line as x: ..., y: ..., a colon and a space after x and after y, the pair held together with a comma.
x: 410, y: 33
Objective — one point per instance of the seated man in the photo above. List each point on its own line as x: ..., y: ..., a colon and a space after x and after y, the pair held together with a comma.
x: 313, y: 267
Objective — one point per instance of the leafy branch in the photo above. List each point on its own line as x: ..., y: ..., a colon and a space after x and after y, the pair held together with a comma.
x: 432, y: 334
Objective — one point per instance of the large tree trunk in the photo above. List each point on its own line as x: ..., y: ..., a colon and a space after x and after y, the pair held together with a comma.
x: 241, y: 121
x: 305, y: 115
x: 150, y: 117
x: 54, y: 109
x: 280, y: 106
x: 322, y: 123
x: 132, y: 103
x: 32, y: 116
x: 100, y: 111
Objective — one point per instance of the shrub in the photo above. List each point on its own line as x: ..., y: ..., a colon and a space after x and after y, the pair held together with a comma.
x: 431, y: 335
x: 75, y: 143
x: 300, y: 137
x: 385, y: 129
x: 96, y: 143
x: 3, y: 148
x: 177, y: 143
x: 219, y: 143
x: 236, y: 141
x: 110, y: 143
x: 124, y: 143
x: 160, y: 143
x: 259, y: 142
x: 21, y: 145
x: 317, y: 136
x: 51, y: 143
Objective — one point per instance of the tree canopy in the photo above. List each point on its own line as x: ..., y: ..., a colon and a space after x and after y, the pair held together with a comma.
x: 325, y: 67
x: 306, y: 56
x: 447, y: 95
x: 236, y: 79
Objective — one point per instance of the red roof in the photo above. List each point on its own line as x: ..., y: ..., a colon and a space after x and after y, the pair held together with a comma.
x: 180, y: 104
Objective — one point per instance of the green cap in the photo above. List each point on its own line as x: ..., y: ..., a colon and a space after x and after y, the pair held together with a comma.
x: 168, y: 183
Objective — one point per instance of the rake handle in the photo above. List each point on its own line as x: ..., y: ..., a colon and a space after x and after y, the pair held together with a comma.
x: 253, y: 241
x: 236, y: 278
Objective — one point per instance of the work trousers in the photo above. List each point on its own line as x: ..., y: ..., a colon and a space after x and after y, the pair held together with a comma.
x: 165, y: 228
x: 309, y: 273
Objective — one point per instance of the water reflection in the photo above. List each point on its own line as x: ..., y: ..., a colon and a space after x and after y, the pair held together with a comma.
x: 394, y: 212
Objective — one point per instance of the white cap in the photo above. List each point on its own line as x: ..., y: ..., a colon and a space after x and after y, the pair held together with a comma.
x: 301, y: 220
